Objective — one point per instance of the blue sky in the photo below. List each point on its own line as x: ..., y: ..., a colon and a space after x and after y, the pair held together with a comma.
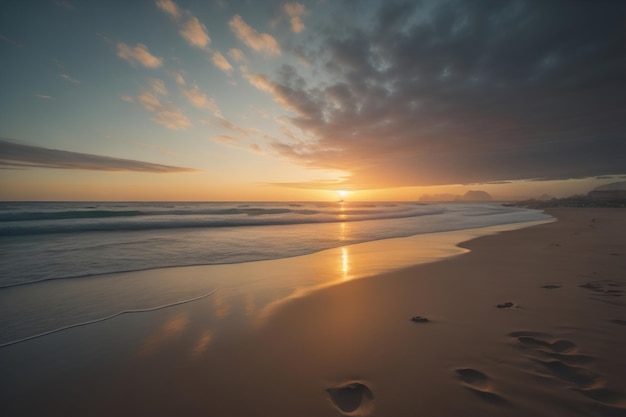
x: 222, y: 100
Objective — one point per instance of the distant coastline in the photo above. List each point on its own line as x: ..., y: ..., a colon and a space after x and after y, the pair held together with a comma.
x: 572, y: 201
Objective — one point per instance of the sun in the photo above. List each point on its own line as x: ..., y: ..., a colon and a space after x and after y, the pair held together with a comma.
x: 341, y: 193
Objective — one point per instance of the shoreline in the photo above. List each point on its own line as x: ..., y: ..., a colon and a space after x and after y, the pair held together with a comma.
x: 109, y: 295
x: 555, y: 351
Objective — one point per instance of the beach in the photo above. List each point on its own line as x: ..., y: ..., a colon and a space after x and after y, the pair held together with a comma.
x: 519, y: 323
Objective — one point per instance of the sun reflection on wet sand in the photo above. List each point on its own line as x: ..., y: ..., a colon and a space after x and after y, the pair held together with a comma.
x: 221, y: 306
x: 345, y: 263
x: 169, y: 330
x: 203, y: 343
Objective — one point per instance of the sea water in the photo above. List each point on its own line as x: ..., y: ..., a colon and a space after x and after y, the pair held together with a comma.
x: 65, y: 264
x: 44, y: 241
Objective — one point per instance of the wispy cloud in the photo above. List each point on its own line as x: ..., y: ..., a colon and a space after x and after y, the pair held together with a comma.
x: 170, y: 8
x: 220, y: 61
x: 138, y: 54
x: 295, y: 11
x: 260, y: 81
x: 260, y: 42
x: 165, y: 114
x: 225, y: 139
x: 66, y: 77
x: 158, y: 86
x: 190, y: 27
x: 11, y: 41
x: 65, y: 5
x: 178, y: 77
x: 201, y: 101
x: 195, y: 32
x: 236, y: 54
x: 227, y: 125
x: 17, y: 155
x: 43, y: 96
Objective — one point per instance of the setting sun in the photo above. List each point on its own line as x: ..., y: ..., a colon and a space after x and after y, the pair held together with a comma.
x: 341, y: 193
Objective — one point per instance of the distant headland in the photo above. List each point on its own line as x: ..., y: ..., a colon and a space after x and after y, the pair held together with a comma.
x: 608, y: 195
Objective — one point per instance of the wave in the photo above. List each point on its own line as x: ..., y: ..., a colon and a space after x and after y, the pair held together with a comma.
x: 66, y: 215
x: 100, y: 221
x: 98, y: 320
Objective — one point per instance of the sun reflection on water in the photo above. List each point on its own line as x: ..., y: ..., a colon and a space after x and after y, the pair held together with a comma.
x: 345, y: 263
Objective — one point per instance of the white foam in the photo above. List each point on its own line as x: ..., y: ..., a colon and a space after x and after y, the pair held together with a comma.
x: 85, y: 323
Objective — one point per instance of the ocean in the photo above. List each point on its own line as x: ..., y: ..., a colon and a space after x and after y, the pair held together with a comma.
x: 57, y: 258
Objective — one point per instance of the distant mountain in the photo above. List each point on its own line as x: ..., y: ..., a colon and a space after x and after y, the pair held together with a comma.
x: 477, y: 195
x: 439, y: 197
x: 608, y: 195
x: 546, y: 197
x: 612, y: 191
x: 468, y: 196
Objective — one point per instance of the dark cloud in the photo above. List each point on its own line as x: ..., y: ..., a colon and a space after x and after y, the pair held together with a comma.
x: 19, y: 156
x: 477, y: 91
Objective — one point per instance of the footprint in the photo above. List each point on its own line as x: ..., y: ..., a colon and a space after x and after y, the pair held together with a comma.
x: 604, y: 395
x: 568, y: 358
x: 604, y: 287
x: 570, y: 374
x: 353, y: 398
x: 473, y: 377
x: 559, y: 346
x: 532, y: 340
x: 508, y: 304
x: 478, y: 383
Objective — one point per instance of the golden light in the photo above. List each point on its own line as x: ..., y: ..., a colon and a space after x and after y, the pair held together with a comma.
x: 341, y: 193
x: 345, y: 263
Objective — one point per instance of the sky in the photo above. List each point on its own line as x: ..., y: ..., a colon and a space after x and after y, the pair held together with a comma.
x: 221, y: 100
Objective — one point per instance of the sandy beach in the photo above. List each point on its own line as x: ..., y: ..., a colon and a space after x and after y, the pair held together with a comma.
x: 529, y: 322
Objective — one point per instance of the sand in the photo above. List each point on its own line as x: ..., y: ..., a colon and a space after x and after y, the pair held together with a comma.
x: 529, y: 322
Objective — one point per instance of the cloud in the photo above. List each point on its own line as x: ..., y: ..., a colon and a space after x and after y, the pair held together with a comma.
x: 68, y: 78
x: 225, y: 139
x: 201, y: 101
x: 178, y: 77
x: 65, y: 4
x: 260, y: 81
x: 17, y: 155
x: 456, y: 92
x: 165, y: 114
x: 170, y: 8
x: 43, y: 96
x: 158, y: 86
x: 295, y: 11
x: 191, y: 28
x: 11, y: 41
x: 236, y: 54
x: 138, y: 54
x: 260, y: 42
x: 195, y: 32
x: 221, y: 62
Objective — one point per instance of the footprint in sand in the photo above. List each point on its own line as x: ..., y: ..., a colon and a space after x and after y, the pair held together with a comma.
x: 604, y: 288
x: 551, y: 286
x: 557, y: 358
x: 352, y: 398
x: 508, y: 304
x: 479, y: 384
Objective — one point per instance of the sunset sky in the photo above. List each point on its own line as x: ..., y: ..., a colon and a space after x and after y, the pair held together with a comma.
x: 272, y: 100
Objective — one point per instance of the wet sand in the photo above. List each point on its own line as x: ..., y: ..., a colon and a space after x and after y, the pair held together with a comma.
x: 529, y: 322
